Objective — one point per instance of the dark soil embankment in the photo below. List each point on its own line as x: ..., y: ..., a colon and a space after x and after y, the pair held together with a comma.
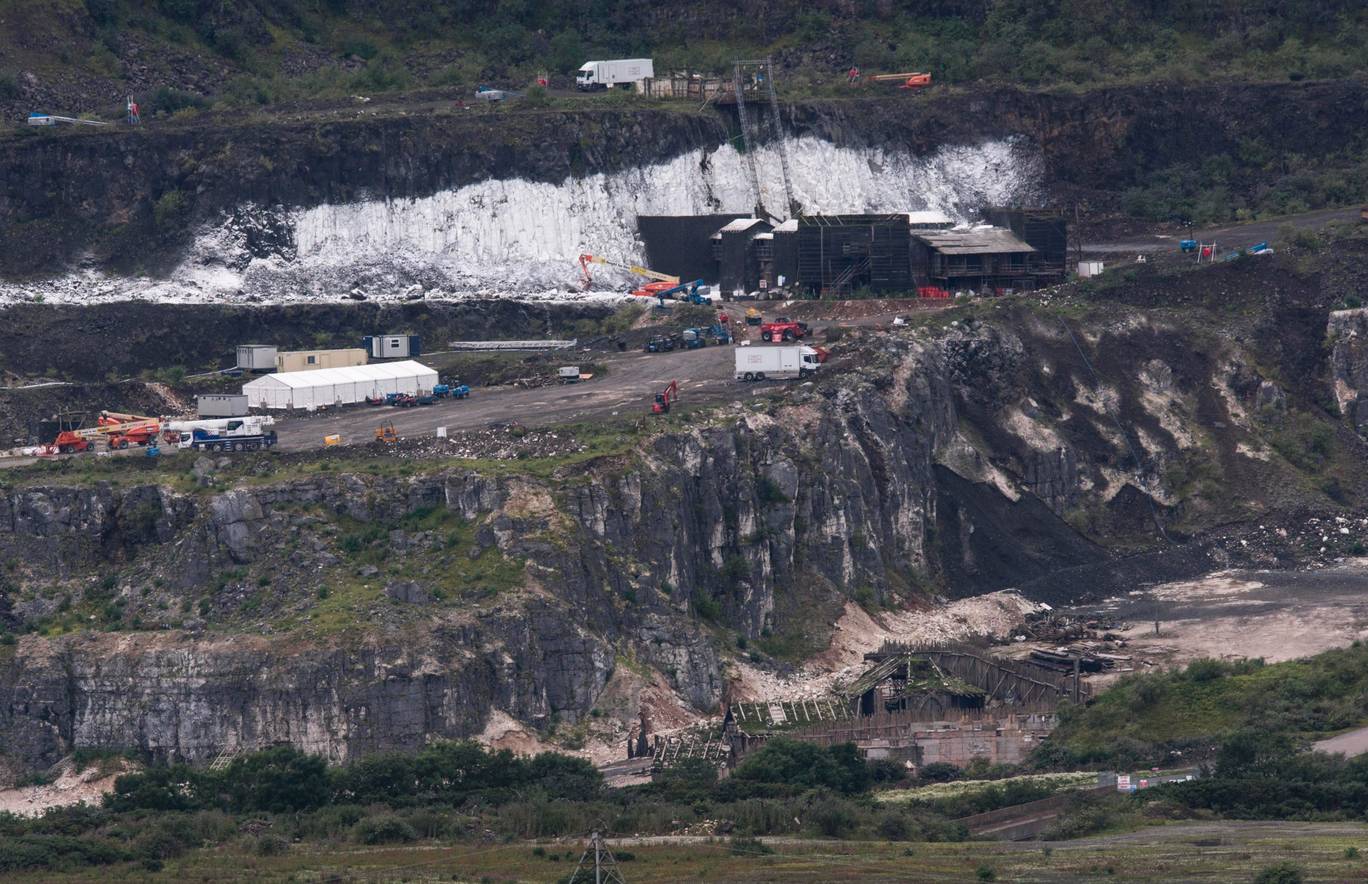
x: 21, y: 411
x: 130, y: 199
x: 92, y: 343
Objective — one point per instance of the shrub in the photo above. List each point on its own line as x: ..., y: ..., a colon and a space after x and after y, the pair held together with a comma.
x: 1206, y: 669
x: 271, y: 845
x: 705, y: 607
x: 169, y: 209
x: 35, y: 852
x: 690, y: 780
x: 985, y: 873
x: 168, y: 101
x: 384, y: 829
x: 166, y: 839
x: 278, y: 780
x: 1279, y: 873
x: 362, y: 49
x: 535, y: 96
x: 938, y: 772
x: 894, y: 827
x: 783, y: 766
x: 9, y: 86
x: 769, y: 491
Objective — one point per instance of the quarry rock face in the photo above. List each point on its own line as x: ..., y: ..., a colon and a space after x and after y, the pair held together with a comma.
x: 731, y: 516
x: 937, y: 462
x: 1348, y: 329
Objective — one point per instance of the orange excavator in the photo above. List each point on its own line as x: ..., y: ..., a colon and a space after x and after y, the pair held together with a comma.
x: 662, y: 280
x: 665, y: 398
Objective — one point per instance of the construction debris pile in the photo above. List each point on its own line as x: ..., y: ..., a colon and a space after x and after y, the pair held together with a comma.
x: 511, y: 441
x: 1088, y: 642
x: 1302, y: 538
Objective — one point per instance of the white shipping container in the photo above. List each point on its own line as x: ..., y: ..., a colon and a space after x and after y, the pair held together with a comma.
x: 256, y: 357
x: 221, y: 405
x: 766, y: 363
x: 1088, y: 269
x: 392, y: 346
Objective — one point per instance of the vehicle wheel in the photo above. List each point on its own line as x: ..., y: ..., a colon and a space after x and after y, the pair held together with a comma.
x: 788, y: 335
x: 766, y: 337
x: 750, y: 376
x: 759, y: 375
x: 214, y: 446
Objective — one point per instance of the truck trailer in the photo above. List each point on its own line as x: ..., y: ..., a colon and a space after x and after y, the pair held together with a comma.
x: 766, y: 363
x: 620, y: 72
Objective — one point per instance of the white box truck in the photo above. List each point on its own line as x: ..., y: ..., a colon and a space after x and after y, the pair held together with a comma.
x: 765, y: 363
x: 614, y: 72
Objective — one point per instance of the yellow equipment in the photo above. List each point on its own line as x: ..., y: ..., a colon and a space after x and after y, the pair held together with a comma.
x: 385, y: 433
x: 334, y: 439
x: 586, y: 260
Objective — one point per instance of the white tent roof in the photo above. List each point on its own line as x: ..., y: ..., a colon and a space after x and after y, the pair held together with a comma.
x: 327, y: 377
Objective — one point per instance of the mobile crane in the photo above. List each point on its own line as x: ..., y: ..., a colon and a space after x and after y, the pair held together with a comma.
x: 586, y: 260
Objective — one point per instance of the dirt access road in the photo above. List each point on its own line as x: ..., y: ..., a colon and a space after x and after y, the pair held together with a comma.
x: 1276, y: 615
x: 1229, y: 235
x: 705, y: 376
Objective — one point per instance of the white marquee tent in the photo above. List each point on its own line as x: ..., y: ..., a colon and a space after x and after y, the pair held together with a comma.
x: 338, y: 386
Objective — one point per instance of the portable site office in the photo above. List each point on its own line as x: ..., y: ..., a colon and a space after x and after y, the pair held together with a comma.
x: 338, y: 386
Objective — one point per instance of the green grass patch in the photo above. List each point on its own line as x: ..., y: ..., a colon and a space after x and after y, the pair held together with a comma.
x: 452, y: 568
x: 1142, y: 720
x: 1053, y: 782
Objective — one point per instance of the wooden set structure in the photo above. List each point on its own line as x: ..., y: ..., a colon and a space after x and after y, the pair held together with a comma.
x: 1005, y: 682
x: 914, y: 703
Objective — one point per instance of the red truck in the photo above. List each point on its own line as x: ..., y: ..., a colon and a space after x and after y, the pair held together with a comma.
x: 783, y: 329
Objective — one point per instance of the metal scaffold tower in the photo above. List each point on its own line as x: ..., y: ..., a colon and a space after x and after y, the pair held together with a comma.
x: 596, y: 865
x: 758, y: 74
x: 747, y: 144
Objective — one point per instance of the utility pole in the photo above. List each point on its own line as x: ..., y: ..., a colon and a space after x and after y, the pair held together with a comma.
x: 605, y: 866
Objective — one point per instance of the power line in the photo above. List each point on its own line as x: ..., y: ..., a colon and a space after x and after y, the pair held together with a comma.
x: 604, y: 866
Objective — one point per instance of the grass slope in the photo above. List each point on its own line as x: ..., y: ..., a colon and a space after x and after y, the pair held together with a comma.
x: 1148, y: 718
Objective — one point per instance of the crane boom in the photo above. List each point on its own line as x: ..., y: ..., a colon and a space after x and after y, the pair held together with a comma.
x: 586, y: 260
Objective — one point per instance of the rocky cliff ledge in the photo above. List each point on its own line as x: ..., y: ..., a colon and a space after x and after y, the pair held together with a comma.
x: 345, y: 603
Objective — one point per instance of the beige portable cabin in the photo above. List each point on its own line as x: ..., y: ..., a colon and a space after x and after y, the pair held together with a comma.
x: 308, y: 360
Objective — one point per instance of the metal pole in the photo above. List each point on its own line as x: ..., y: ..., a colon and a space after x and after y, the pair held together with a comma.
x: 746, y: 142
x: 598, y: 870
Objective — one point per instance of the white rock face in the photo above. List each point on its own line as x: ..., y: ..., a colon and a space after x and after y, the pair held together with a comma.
x: 519, y: 238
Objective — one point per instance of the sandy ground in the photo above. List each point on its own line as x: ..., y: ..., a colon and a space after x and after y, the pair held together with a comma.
x: 1276, y: 615
x: 858, y: 632
x: 70, y: 787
